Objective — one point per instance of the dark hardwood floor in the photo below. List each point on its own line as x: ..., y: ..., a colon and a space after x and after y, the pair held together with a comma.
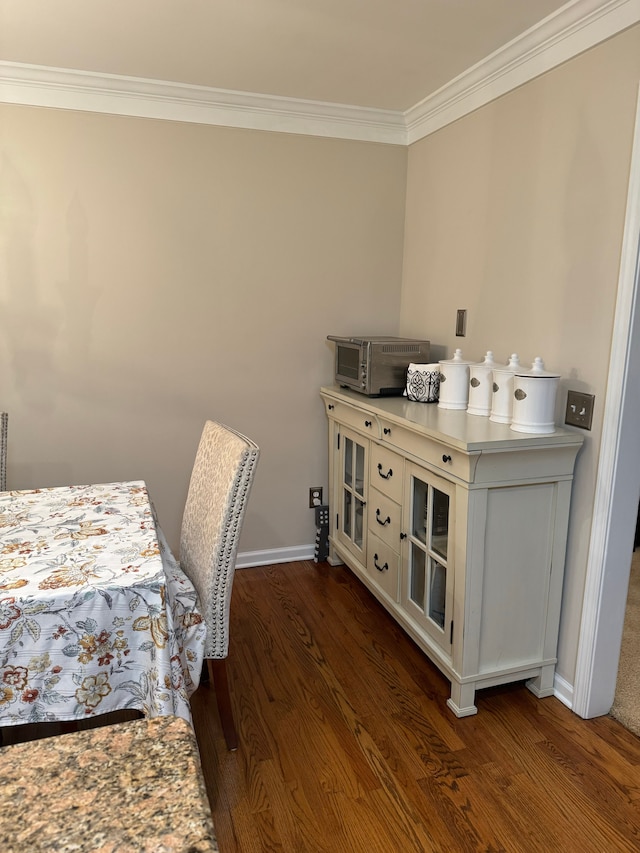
x: 346, y: 743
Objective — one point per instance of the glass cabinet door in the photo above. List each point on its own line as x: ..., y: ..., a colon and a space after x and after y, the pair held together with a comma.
x: 428, y: 575
x: 351, y: 519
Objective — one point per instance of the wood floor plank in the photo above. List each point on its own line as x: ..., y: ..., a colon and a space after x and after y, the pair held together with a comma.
x: 385, y: 652
x: 396, y: 803
x: 346, y: 742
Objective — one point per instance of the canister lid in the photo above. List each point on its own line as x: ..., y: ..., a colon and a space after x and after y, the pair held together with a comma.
x: 513, y: 366
x: 457, y: 359
x: 537, y: 370
x: 488, y: 362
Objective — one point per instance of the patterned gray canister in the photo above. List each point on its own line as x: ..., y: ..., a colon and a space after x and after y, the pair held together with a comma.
x: 423, y: 383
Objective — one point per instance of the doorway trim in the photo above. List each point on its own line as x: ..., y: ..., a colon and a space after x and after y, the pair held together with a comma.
x: 617, y: 491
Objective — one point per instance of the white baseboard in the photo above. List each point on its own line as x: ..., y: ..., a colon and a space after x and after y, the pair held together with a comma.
x: 563, y: 691
x: 247, y: 559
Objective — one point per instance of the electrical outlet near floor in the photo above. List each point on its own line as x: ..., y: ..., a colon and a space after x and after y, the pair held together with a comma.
x: 315, y: 496
x: 579, y: 411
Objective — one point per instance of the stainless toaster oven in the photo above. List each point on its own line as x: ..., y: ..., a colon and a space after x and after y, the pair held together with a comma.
x: 376, y: 365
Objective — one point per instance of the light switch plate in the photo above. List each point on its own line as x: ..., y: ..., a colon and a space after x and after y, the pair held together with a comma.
x: 579, y: 411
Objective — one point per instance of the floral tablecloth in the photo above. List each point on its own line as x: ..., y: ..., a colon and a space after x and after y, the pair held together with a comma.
x: 91, y: 620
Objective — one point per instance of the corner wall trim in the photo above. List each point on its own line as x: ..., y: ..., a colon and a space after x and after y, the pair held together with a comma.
x: 617, y: 485
x: 572, y: 29
x: 563, y: 691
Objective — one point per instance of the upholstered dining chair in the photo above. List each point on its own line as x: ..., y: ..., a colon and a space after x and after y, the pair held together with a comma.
x: 220, y: 482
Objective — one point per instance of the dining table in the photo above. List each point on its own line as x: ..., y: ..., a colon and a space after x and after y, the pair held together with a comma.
x: 131, y: 787
x: 92, y: 618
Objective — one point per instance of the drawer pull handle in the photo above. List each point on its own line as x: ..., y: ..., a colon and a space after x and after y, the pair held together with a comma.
x: 384, y: 476
x: 387, y: 430
x: 379, y: 568
x: 382, y: 523
x: 367, y: 423
x: 330, y: 406
x: 446, y: 458
x: 403, y: 536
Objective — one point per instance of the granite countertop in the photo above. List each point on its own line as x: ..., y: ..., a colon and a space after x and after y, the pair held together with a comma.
x: 125, y: 788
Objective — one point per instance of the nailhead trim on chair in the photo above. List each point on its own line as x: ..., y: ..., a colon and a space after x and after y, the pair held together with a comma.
x: 4, y: 427
x: 217, y: 645
x: 207, y: 554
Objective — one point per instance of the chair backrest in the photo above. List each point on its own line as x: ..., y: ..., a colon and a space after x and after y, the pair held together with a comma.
x: 4, y: 425
x: 220, y: 482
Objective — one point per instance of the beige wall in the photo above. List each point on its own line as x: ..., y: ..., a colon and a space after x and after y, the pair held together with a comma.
x: 155, y: 274
x: 516, y: 213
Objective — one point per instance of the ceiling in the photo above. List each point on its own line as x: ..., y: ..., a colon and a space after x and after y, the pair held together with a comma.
x: 384, y: 54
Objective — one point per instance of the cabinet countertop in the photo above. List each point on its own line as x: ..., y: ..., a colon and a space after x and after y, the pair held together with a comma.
x: 466, y: 432
x: 124, y: 788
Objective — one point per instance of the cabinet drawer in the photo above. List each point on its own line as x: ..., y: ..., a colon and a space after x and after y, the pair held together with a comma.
x: 382, y: 566
x: 385, y: 471
x: 441, y: 456
x: 384, y: 518
x: 357, y: 419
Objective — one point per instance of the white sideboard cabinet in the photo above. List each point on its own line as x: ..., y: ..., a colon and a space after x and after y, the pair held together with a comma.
x: 458, y: 526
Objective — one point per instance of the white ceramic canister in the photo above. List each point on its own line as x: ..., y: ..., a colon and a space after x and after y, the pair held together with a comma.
x: 454, y: 382
x: 534, y: 400
x: 502, y: 390
x: 480, y: 386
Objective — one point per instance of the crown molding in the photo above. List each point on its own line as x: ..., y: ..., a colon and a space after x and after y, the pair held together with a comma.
x: 574, y: 28
x: 63, y: 88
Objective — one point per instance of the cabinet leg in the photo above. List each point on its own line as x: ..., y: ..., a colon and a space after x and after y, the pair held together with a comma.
x: 542, y: 685
x: 333, y: 559
x: 462, y: 699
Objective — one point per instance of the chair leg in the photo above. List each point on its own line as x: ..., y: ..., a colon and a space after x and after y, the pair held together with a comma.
x: 218, y: 674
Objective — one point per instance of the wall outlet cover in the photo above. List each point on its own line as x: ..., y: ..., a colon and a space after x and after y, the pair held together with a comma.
x: 315, y: 496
